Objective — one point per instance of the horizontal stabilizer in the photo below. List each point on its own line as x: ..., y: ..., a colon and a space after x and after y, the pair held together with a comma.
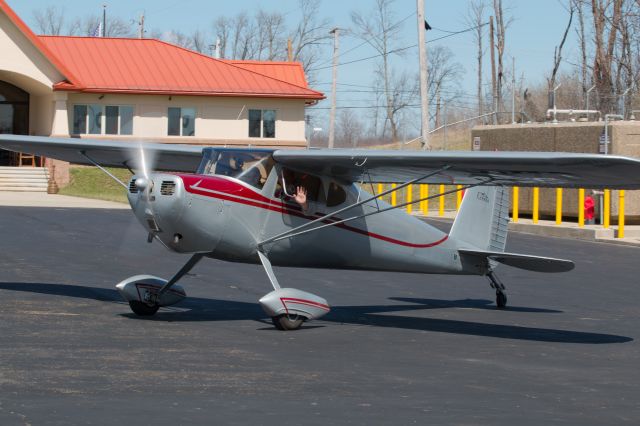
x: 523, y: 261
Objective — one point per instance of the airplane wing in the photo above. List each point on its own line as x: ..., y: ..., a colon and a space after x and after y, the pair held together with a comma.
x: 543, y: 169
x: 167, y: 157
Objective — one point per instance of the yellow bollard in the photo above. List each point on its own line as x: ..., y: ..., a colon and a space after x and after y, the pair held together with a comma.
x: 606, y: 214
x: 441, y: 200
x: 424, y: 204
x: 621, y: 213
x: 581, y: 208
x: 558, y: 206
x: 380, y: 188
x: 409, y: 199
x: 394, y: 195
x: 458, y: 197
x: 536, y: 204
x: 516, y: 202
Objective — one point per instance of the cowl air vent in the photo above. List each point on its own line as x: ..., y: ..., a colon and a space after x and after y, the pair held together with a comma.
x: 132, y: 186
x: 168, y: 187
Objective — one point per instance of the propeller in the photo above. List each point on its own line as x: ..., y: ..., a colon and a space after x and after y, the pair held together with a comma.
x: 144, y: 163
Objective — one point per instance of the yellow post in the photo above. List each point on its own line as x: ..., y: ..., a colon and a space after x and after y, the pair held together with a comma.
x: 581, y: 207
x: 409, y: 199
x: 394, y: 195
x: 607, y: 209
x: 621, y: 213
x: 424, y: 204
x: 458, y: 197
x: 379, y: 188
x: 441, y: 200
x: 516, y: 202
x: 558, y: 206
x: 536, y: 204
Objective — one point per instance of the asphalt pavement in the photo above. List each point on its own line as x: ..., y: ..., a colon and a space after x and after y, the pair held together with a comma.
x: 396, y: 348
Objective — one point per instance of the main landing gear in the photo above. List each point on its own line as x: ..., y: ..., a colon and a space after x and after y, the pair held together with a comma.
x: 501, y: 296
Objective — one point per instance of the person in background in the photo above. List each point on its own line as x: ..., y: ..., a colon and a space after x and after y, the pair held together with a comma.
x: 589, y: 210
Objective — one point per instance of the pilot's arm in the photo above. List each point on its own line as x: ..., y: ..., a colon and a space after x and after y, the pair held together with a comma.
x: 301, y: 198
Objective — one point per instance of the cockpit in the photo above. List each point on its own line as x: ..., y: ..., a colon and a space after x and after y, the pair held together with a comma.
x: 251, y: 167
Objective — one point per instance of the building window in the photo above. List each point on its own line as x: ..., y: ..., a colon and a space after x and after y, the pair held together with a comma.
x: 182, y: 121
x: 87, y: 119
x: 262, y: 123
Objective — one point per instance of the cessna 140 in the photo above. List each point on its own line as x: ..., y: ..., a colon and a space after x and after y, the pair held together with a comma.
x: 238, y: 206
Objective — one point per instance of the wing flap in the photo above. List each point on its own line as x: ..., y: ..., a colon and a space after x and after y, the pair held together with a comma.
x: 542, y: 169
x: 523, y: 261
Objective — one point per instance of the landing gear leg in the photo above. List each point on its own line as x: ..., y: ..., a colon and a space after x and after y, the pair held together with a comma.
x: 501, y: 296
x: 151, y: 304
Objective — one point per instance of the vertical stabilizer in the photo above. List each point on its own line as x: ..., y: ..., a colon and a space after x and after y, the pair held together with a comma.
x: 483, y: 218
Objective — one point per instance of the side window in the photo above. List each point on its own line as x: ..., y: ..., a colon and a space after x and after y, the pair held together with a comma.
x: 262, y: 123
x: 292, y: 180
x: 336, y: 195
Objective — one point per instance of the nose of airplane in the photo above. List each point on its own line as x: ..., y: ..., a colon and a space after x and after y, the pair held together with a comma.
x: 156, y: 201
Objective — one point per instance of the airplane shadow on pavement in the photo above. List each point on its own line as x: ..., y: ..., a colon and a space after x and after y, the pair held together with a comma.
x: 203, y: 309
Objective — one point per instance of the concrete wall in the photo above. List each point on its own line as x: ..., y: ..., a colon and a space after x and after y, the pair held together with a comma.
x: 565, y: 137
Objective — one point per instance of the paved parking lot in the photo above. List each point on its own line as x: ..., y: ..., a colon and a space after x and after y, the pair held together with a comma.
x: 396, y: 348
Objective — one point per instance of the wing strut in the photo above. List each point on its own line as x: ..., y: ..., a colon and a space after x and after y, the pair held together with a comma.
x: 292, y: 233
x: 288, y: 233
x: 84, y: 154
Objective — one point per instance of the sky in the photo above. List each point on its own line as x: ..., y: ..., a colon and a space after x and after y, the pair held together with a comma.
x: 536, y: 28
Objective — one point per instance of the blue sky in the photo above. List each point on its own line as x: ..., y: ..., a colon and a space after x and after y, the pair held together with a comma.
x: 536, y: 29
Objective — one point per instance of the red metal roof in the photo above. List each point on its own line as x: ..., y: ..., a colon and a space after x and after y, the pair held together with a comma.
x: 129, y: 65
x: 291, y: 72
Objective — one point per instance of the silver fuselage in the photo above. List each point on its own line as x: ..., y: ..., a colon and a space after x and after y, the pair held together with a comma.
x: 227, y: 219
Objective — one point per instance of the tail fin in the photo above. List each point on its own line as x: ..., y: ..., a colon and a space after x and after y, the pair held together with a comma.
x: 483, y: 218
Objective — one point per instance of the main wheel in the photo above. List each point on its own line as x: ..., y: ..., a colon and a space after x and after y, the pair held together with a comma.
x: 142, y: 309
x: 288, y: 322
x: 501, y: 300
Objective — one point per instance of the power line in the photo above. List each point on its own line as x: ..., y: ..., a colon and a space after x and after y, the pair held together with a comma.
x: 403, y: 48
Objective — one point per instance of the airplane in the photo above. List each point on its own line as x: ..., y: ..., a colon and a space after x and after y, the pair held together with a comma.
x: 237, y: 205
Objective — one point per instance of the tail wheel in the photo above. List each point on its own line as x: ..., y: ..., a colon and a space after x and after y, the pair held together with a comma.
x: 288, y: 322
x: 142, y: 309
x: 501, y: 300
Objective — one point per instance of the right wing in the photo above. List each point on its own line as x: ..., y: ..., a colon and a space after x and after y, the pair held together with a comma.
x: 179, y: 158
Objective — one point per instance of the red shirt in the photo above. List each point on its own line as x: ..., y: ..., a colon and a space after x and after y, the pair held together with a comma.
x: 589, y: 207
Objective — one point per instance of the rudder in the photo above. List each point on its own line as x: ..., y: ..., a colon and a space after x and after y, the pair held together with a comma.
x: 483, y: 218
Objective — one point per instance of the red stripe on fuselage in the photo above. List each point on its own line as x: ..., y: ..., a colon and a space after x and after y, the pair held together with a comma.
x: 227, y: 189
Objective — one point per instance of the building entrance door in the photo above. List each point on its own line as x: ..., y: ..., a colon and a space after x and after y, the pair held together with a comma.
x: 14, y: 117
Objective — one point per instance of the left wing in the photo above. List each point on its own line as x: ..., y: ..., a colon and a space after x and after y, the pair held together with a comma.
x: 543, y: 169
x: 168, y: 157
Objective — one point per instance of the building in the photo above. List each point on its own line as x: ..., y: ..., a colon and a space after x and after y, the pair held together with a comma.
x: 143, y: 89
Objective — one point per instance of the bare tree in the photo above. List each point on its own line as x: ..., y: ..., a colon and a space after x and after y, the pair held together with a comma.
x: 557, y: 53
x: 579, y: 5
x: 502, y: 23
x: 199, y: 42
x: 116, y: 26
x: 179, y: 39
x: 380, y: 32
x: 476, y: 18
x: 350, y: 128
x: 606, y: 22
x: 310, y: 33
x: 271, y: 42
x: 444, y: 74
x: 49, y: 21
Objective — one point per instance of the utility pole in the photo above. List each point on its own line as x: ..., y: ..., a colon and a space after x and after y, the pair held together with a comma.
x: 424, y: 94
x: 493, y: 72
x: 141, y: 26
x: 513, y: 91
x: 332, y: 116
x: 104, y: 20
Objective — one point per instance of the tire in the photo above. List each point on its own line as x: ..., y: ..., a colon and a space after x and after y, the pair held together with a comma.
x: 501, y: 300
x: 288, y: 322
x: 143, y: 309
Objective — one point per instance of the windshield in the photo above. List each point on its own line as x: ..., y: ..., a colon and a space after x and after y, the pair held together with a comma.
x: 252, y: 167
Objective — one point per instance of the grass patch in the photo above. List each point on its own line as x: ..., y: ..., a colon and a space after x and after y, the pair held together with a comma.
x: 91, y: 182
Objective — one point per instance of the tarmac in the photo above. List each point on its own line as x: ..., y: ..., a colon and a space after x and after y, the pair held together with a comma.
x: 395, y: 349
